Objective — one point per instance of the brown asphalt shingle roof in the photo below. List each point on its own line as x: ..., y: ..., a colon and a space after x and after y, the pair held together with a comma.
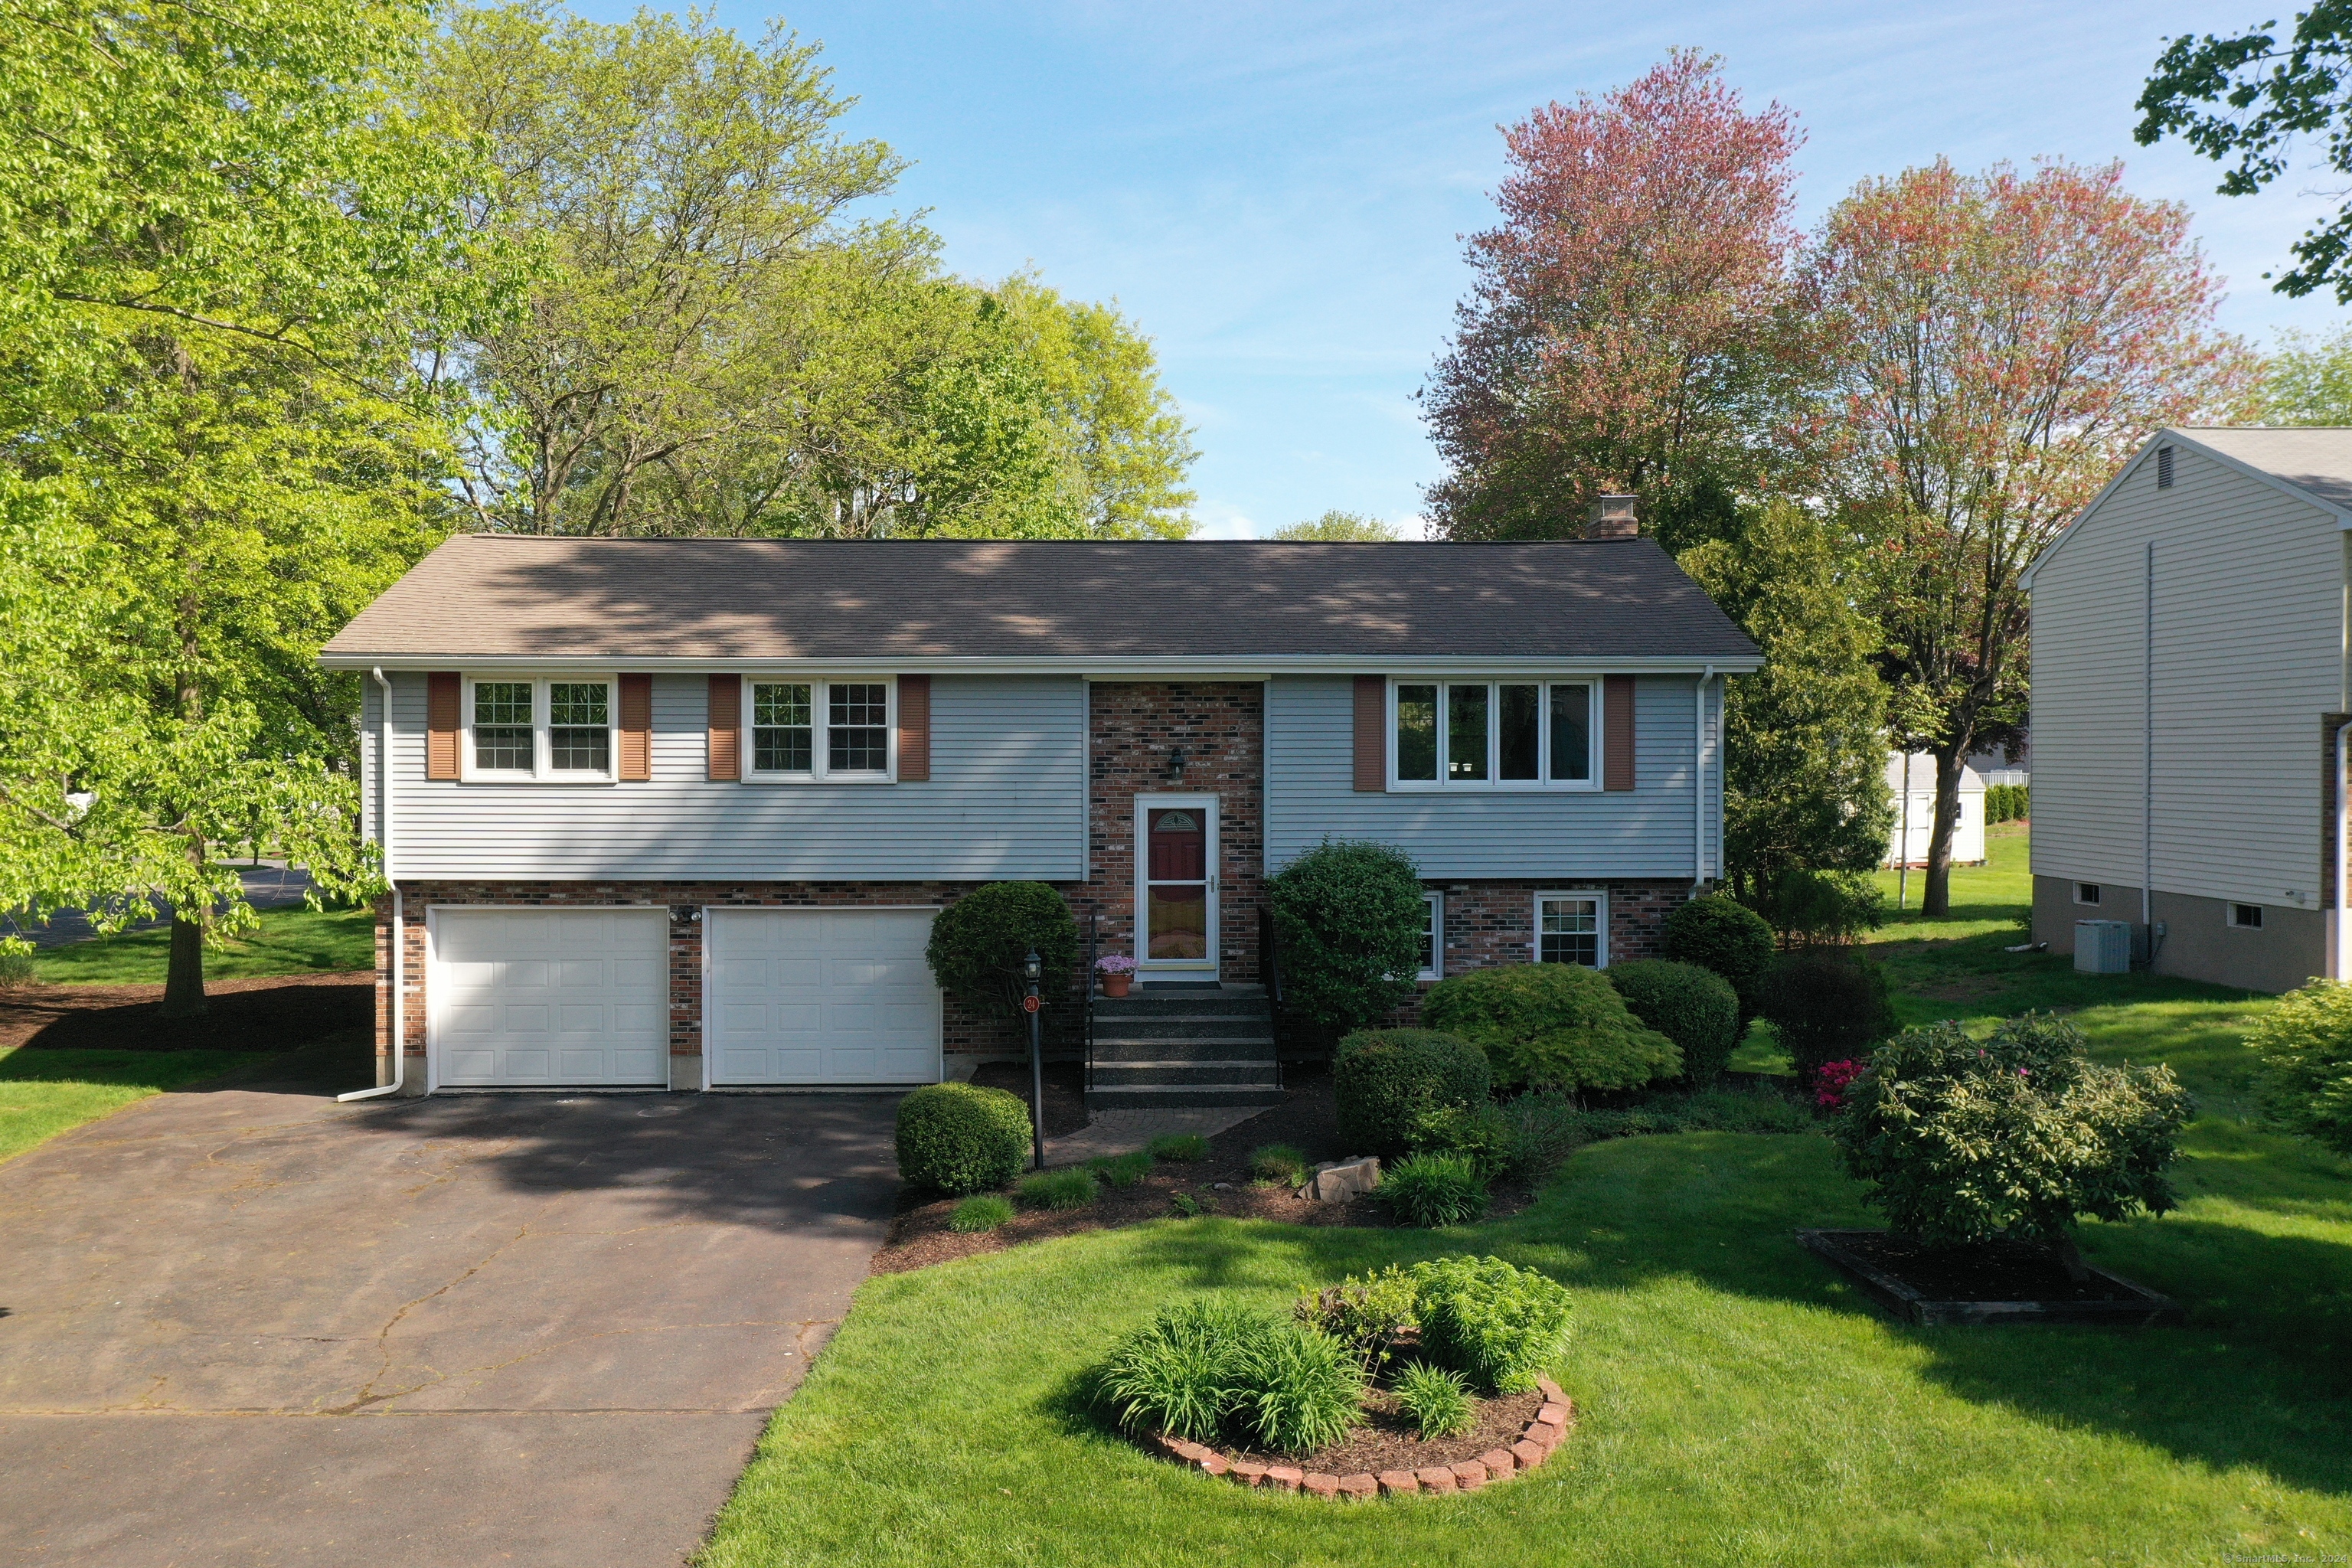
x: 491, y: 595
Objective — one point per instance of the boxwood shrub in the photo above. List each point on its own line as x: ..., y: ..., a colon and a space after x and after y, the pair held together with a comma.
x: 1717, y: 934
x: 981, y: 943
x: 1388, y: 1082
x: 1551, y: 1026
x: 1348, y: 917
x: 959, y: 1137
x: 1696, y: 1008
x: 1829, y: 1006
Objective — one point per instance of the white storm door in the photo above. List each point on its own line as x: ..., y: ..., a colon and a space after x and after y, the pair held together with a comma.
x: 810, y: 996
x: 522, y: 998
x: 1176, y: 884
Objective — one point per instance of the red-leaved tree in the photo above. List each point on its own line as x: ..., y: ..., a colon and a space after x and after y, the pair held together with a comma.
x: 2002, y: 342
x: 1627, y: 328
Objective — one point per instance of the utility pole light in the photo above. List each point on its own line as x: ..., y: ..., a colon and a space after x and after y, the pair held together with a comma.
x: 1034, y: 967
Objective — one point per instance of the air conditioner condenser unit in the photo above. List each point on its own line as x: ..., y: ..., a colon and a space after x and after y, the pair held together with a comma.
x: 2102, y: 947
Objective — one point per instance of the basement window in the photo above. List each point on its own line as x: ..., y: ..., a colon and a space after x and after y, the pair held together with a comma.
x: 2086, y: 892
x: 2246, y: 916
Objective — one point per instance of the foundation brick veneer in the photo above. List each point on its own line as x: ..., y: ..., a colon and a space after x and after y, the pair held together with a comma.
x: 1146, y: 738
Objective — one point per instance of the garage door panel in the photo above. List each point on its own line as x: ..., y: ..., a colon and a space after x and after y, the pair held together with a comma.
x: 546, y: 997
x: 822, y: 996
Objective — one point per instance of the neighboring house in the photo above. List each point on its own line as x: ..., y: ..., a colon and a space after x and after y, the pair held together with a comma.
x: 680, y: 811
x: 2189, y: 679
x: 1911, y: 784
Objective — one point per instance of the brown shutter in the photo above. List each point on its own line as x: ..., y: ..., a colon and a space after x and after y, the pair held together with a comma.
x: 1371, y: 734
x: 727, y: 727
x: 914, y: 729
x: 443, y: 720
x: 636, y: 728
x: 1616, y: 732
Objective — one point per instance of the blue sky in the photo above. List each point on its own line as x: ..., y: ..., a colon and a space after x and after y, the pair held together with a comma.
x: 1274, y: 193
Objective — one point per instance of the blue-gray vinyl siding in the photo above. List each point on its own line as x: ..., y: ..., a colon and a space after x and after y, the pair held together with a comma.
x: 1647, y: 831
x: 1005, y: 800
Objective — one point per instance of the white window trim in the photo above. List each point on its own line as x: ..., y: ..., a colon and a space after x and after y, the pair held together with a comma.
x: 1435, y: 970
x: 2090, y: 903
x: 820, y: 720
x: 2230, y: 908
x: 542, y: 769
x: 1491, y: 783
x: 1599, y: 922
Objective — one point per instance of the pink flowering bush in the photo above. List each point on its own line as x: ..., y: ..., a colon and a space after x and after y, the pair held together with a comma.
x: 1830, y: 1082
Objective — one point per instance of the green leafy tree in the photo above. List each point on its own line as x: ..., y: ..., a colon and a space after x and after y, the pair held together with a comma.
x: 2305, y: 1045
x: 2248, y: 98
x: 228, y: 249
x: 717, y: 347
x: 1336, y: 527
x: 2308, y: 381
x: 1804, y: 777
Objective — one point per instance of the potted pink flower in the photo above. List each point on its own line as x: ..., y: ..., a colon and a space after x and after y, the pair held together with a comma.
x: 1118, y: 972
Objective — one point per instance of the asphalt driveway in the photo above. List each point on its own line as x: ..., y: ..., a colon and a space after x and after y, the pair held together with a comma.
x: 254, y: 1327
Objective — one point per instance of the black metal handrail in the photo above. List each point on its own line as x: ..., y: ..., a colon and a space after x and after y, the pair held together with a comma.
x: 1269, y: 966
x: 1089, y: 1012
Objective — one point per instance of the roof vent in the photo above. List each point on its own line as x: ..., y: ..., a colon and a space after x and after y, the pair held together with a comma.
x: 1611, y: 517
x: 2164, y: 468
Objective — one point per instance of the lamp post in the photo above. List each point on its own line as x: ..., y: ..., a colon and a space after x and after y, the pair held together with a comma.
x: 1031, y: 967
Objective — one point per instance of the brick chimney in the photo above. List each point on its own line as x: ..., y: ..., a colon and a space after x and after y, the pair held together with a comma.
x: 1611, y: 517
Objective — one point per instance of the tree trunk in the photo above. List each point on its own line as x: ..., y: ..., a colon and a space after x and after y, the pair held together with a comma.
x: 1938, y: 901
x: 2071, y: 1256
x: 184, y: 983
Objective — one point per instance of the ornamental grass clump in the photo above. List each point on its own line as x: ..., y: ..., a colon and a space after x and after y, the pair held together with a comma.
x: 1551, y: 1026
x: 1437, y: 1400
x: 1300, y: 1389
x: 984, y: 1210
x: 1180, y: 1148
x: 2014, y: 1137
x: 1070, y: 1189
x: 1202, y: 1370
x: 1278, y: 1162
x: 1496, y: 1324
x: 2305, y: 1047
x: 1433, y: 1190
x: 1122, y: 1170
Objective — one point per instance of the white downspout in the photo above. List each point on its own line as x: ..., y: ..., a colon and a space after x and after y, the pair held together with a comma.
x: 2342, y: 971
x: 383, y: 770
x: 1698, y: 788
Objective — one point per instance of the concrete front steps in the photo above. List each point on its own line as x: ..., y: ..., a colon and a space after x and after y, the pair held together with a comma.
x: 1185, y: 1048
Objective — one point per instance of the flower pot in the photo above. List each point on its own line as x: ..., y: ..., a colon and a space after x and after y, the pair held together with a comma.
x: 1116, y: 985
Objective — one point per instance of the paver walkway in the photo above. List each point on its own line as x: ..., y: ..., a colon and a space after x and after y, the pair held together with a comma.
x: 1117, y: 1132
x: 252, y: 1327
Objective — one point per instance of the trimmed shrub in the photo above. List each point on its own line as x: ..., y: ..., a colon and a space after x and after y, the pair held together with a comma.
x: 1348, y: 917
x: 1696, y: 1008
x: 1544, y: 1132
x: 1496, y: 1324
x: 1180, y: 1148
x: 959, y: 1137
x: 981, y: 943
x: 1387, y: 1080
x: 1300, y: 1389
x: 1437, y: 1400
x: 1278, y: 1162
x: 1828, y: 1007
x: 2007, y: 803
x: 1184, y: 1372
x: 1433, y: 1190
x: 1550, y: 1025
x: 1482, y: 1134
x: 1071, y: 1189
x: 1813, y: 908
x: 2015, y: 1136
x: 2305, y: 1045
x: 1371, y: 1315
x: 983, y: 1212
x: 1718, y: 933
x: 1122, y: 1170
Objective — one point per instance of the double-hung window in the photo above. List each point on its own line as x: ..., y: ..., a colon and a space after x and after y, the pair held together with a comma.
x: 540, y: 730
x: 806, y: 731
x: 1572, y: 928
x: 1493, y: 734
x: 1433, y: 937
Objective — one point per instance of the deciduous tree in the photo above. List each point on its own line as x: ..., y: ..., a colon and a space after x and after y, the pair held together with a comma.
x: 2308, y: 381
x: 1336, y: 527
x: 1626, y: 328
x: 2003, y: 342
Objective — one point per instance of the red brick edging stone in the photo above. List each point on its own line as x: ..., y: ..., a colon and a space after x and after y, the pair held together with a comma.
x: 1542, y: 1435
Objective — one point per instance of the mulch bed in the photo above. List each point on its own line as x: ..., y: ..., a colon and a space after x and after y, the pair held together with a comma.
x: 1988, y: 1282
x: 1388, y: 1441
x: 1307, y: 1119
x: 278, y: 1012
x: 1065, y: 1091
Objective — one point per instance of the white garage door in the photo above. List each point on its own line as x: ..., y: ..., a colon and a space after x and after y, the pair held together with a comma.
x: 822, y: 996
x: 521, y: 997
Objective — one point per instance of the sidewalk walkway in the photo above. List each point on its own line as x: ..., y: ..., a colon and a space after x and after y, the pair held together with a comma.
x: 1117, y: 1131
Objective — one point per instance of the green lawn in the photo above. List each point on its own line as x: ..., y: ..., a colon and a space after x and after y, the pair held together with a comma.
x: 43, y: 1093
x: 1740, y: 1404
x: 294, y: 941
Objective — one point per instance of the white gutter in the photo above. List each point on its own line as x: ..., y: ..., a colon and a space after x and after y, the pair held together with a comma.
x: 1698, y: 786
x: 1223, y: 667
x: 399, y: 1010
x: 2342, y: 971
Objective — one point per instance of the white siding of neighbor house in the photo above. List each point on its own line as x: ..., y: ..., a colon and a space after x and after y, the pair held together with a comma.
x: 1646, y: 831
x: 1005, y: 800
x: 2247, y: 627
